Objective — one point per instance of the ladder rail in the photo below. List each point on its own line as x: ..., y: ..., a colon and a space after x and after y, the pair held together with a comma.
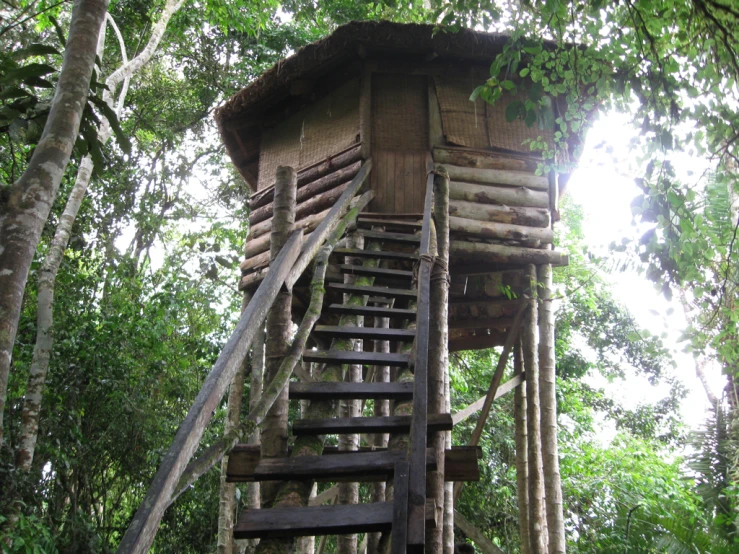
x: 419, y: 421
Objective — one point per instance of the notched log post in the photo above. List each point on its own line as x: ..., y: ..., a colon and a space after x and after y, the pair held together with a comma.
x: 279, y: 323
x: 438, y: 359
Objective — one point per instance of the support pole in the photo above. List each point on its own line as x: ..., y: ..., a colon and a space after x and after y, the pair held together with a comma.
x: 279, y: 327
x: 522, y: 457
x: 549, y: 448
x: 438, y: 367
x: 537, y: 517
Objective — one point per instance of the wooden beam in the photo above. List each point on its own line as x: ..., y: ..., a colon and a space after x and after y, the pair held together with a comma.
x: 498, y: 177
x: 501, y: 195
x: 483, y: 252
x: 484, y: 159
x: 515, y: 215
x: 399, y: 534
x: 502, y: 231
x: 142, y: 530
x: 477, y: 405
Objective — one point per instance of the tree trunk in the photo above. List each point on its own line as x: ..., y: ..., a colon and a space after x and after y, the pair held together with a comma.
x: 549, y: 449
x: 30, y: 198
x: 522, y: 457
x: 498, y: 177
x: 537, y: 517
x: 514, y: 215
x: 253, y: 490
x: 279, y: 324
x: 485, y: 545
x: 504, y: 196
x: 55, y: 255
x: 481, y: 252
x: 349, y: 492
x: 501, y: 231
x: 438, y: 356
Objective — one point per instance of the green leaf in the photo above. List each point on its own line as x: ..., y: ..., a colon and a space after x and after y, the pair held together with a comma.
x: 30, y: 71
x: 110, y: 115
x: 59, y: 30
x: 35, y: 50
x: 525, y: 71
x: 513, y: 110
x: 476, y: 93
x: 13, y: 92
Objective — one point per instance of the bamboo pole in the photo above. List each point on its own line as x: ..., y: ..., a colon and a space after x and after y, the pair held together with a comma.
x: 506, y: 196
x: 549, y: 448
x: 279, y: 326
x: 522, y: 458
x: 514, y: 215
x: 537, y: 515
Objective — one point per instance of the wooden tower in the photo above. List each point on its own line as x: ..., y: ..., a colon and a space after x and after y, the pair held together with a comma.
x: 394, y: 220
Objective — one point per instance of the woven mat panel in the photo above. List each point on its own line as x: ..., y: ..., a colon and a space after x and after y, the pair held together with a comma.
x: 400, y: 112
x: 511, y: 136
x: 330, y: 125
x: 312, y: 134
x: 463, y: 122
x: 280, y: 146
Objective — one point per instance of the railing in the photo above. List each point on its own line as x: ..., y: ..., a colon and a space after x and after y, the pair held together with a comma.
x: 416, y: 528
x: 285, y: 269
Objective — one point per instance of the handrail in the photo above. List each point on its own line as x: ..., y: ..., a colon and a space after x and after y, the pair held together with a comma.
x: 317, y: 237
x: 142, y: 530
x: 419, y: 420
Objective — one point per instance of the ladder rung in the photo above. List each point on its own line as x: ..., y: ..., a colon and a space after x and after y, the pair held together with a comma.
x: 372, y: 311
x: 347, y: 391
x: 351, y: 357
x: 379, y: 254
x: 375, y: 271
x: 379, y: 291
x: 340, y: 519
x: 383, y: 236
x: 367, y: 333
x: 387, y: 424
x: 369, y: 222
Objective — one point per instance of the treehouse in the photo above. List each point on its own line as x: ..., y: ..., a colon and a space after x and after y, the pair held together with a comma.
x: 400, y: 96
x: 393, y: 220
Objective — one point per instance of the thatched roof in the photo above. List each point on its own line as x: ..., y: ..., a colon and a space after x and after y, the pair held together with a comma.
x: 343, y: 44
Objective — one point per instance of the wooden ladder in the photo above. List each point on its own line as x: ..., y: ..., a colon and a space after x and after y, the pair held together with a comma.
x: 402, y: 295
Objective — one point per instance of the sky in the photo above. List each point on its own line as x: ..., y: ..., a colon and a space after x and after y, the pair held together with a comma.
x: 603, y: 187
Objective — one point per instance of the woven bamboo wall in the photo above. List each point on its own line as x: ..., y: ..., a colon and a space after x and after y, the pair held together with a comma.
x: 478, y: 124
x: 312, y: 134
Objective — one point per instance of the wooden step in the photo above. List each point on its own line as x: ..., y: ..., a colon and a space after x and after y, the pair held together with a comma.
x: 390, y: 215
x: 349, y: 269
x: 362, y: 467
x: 246, y: 465
x: 369, y: 222
x: 372, y: 311
x: 311, y: 521
x: 387, y: 424
x: 350, y: 391
x: 379, y: 291
x: 398, y: 238
x: 366, y: 333
x: 379, y: 254
x: 361, y: 358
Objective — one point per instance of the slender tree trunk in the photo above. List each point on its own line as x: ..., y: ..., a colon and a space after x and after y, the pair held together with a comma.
x: 438, y: 357
x: 52, y: 262
x: 279, y: 323
x: 537, y: 514
x: 522, y: 457
x: 549, y: 448
x: 30, y: 198
x: 349, y: 492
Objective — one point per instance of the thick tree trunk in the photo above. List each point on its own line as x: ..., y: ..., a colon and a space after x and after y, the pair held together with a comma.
x: 30, y: 198
x: 522, y: 456
x: 52, y: 262
x: 438, y: 356
x: 537, y: 516
x: 279, y: 324
x: 349, y: 492
x: 549, y: 449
